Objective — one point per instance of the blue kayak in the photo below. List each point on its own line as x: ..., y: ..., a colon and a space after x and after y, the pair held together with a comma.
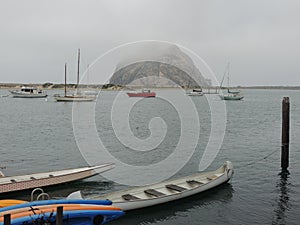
x: 57, y: 201
x: 78, y: 217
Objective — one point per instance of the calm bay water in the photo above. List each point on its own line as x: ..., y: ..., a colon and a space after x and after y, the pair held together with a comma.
x: 37, y: 135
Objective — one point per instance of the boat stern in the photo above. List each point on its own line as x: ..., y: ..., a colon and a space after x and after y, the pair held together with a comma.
x: 228, y: 166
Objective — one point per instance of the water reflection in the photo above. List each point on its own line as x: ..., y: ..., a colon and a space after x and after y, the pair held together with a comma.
x: 283, y: 199
x: 165, y: 212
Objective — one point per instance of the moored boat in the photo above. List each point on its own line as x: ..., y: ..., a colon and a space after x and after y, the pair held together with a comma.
x: 145, y: 93
x: 23, y: 182
x: 171, y: 190
x: 28, y: 92
x: 196, y: 92
x: 232, y: 95
x: 77, y: 97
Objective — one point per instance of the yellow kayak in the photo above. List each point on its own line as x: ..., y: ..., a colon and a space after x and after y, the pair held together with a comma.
x: 10, y: 202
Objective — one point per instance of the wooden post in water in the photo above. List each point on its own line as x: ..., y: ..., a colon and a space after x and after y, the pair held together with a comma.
x: 59, y: 215
x: 285, y: 141
x: 7, y: 219
x: 65, y: 79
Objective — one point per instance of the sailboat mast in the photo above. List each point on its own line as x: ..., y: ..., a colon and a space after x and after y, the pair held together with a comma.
x: 228, y: 77
x: 78, y: 69
x: 65, y: 79
x: 88, y: 75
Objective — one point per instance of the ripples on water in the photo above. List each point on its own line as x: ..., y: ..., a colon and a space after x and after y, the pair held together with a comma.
x: 37, y: 135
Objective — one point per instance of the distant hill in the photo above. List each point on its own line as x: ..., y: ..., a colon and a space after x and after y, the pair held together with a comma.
x: 169, y: 67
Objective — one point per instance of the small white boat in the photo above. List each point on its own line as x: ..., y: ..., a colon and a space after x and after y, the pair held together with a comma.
x: 232, y: 95
x: 140, y: 197
x: 23, y: 182
x: 196, y: 92
x: 28, y: 92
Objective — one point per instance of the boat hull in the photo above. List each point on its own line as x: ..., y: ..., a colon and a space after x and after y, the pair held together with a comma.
x: 75, y: 217
x: 88, y: 98
x: 23, y: 182
x: 169, y: 194
x: 21, y: 207
x: 195, y: 94
x: 10, y: 202
x: 74, y: 212
x: 142, y: 95
x: 27, y: 95
x: 231, y: 98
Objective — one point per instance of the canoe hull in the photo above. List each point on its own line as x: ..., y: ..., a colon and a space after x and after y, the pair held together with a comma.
x: 126, y: 206
x: 172, y: 195
x: 18, y: 183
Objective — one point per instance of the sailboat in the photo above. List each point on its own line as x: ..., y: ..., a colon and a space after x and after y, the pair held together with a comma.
x: 231, y: 94
x: 77, y: 97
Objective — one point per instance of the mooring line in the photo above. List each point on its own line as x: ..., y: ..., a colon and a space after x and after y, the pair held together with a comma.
x: 254, y: 162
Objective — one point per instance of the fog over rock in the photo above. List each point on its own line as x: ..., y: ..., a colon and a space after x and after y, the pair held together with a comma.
x: 163, y: 67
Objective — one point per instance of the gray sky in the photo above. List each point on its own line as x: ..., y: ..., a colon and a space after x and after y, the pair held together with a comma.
x: 260, y: 38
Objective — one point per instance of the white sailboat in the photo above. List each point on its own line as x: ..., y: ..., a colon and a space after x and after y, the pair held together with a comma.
x: 77, y: 97
x: 231, y: 94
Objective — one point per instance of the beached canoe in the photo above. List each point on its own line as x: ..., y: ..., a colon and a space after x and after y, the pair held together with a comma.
x: 145, y: 196
x: 23, y: 182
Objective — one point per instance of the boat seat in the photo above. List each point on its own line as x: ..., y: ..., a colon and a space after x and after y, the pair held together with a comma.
x: 32, y: 178
x: 175, y: 187
x: 212, y: 177
x: 154, y: 193
x: 13, y: 181
x: 129, y: 197
x: 50, y: 175
x: 194, y: 182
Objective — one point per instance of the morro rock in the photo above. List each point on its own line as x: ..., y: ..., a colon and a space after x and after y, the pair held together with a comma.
x: 168, y: 67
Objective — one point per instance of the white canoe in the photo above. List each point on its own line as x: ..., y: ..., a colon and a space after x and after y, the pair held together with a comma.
x: 140, y: 197
x: 23, y: 182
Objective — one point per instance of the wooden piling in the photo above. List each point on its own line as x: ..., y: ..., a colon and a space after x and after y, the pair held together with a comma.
x: 59, y: 215
x: 285, y: 140
x: 7, y: 219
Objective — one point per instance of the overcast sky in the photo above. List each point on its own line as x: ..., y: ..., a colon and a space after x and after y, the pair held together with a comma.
x: 260, y: 38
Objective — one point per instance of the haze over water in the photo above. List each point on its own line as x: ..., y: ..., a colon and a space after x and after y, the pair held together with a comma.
x: 37, y: 135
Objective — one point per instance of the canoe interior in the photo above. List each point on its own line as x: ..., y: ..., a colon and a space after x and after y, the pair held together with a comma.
x: 167, y: 188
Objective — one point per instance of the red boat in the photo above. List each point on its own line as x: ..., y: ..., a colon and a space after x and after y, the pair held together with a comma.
x: 145, y: 93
